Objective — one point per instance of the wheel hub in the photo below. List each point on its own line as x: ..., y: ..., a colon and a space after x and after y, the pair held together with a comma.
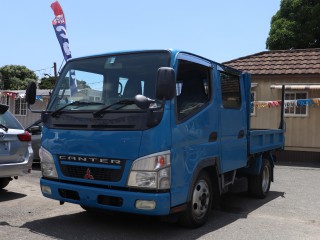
x: 265, y: 179
x: 201, y: 198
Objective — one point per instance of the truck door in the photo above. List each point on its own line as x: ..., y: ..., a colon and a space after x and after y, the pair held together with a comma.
x: 233, y: 128
x: 195, y: 124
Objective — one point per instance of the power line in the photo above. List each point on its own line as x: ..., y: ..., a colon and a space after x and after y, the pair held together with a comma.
x: 42, y: 69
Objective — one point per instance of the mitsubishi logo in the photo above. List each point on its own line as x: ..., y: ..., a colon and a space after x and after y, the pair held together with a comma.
x: 88, y: 175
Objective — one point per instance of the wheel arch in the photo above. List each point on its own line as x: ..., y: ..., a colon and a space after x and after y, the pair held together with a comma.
x: 210, y: 165
x: 254, y: 167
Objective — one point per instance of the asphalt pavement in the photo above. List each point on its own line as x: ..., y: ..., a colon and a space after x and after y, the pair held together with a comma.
x: 291, y: 211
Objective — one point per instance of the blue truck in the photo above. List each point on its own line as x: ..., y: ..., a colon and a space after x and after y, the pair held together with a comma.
x: 156, y: 132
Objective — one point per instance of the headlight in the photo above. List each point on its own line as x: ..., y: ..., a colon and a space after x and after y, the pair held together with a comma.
x: 48, y: 167
x: 152, y: 171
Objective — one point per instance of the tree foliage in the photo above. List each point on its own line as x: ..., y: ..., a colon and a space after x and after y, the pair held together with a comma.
x: 47, y: 83
x: 295, y: 25
x: 82, y: 84
x: 16, y: 77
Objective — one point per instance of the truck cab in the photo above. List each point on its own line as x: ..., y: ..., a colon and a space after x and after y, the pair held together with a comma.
x: 150, y: 132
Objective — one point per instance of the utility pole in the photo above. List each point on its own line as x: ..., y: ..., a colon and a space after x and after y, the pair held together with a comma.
x: 1, y: 83
x: 55, y: 71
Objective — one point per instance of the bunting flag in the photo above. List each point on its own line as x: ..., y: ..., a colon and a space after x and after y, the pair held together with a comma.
x: 15, y: 95
x: 10, y: 94
x: 60, y: 28
x: 314, y: 102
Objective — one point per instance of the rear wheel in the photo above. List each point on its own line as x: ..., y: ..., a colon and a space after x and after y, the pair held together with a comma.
x: 259, y: 185
x: 4, y: 182
x: 198, y: 209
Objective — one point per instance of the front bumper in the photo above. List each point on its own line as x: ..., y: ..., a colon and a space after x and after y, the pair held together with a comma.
x: 109, y: 199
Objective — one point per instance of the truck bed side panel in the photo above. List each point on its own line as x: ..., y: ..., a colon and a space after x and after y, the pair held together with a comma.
x: 263, y: 140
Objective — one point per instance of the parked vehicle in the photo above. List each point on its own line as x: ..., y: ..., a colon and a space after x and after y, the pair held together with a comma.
x: 152, y: 132
x: 35, y: 130
x: 16, y: 154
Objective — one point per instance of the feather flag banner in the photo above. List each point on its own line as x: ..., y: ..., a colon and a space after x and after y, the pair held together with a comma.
x: 59, y: 25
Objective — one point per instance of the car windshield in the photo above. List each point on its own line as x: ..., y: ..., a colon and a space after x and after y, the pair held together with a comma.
x: 107, y: 82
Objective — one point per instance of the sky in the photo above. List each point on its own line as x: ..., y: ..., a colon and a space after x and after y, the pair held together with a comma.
x: 218, y: 30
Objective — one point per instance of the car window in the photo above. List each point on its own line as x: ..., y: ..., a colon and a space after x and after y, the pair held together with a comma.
x: 8, y: 120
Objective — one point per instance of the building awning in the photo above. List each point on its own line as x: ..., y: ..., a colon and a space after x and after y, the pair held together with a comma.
x: 297, y: 86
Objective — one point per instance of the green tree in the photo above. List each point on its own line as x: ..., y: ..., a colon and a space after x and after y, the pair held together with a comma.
x: 16, y: 77
x: 47, y: 83
x: 82, y: 84
x: 295, y: 25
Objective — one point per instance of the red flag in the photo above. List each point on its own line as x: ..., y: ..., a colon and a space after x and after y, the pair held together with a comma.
x: 57, y: 9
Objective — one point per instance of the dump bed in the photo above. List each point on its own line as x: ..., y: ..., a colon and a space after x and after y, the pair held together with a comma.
x: 262, y: 140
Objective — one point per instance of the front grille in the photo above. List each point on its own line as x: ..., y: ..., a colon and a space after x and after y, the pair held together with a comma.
x: 92, y: 173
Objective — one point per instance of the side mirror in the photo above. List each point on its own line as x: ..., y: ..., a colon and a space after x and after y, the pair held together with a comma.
x: 34, y: 129
x: 142, y: 101
x: 31, y: 93
x: 166, y: 84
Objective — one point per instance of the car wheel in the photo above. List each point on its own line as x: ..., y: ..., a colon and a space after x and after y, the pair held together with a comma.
x: 259, y: 185
x: 199, y: 207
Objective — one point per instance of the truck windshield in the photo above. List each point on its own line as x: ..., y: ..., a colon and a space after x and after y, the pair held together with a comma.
x: 110, y: 82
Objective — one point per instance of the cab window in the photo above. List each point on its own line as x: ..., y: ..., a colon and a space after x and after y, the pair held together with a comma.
x: 193, y: 88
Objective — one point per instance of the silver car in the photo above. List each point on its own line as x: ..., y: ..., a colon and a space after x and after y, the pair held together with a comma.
x: 16, y: 154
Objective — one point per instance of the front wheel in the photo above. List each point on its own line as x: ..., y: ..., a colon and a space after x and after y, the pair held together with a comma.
x: 259, y: 185
x: 199, y: 207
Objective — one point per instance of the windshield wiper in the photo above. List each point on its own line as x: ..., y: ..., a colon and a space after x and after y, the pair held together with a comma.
x: 76, y: 103
x: 4, y: 127
x: 123, y: 102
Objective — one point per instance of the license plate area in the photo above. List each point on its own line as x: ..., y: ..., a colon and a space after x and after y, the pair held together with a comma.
x: 4, y: 148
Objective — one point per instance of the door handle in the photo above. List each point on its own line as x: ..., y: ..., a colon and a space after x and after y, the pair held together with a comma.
x: 213, y: 137
x: 241, y: 134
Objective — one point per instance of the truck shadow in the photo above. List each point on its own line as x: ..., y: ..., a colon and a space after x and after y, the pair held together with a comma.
x: 100, y: 225
x: 6, y: 195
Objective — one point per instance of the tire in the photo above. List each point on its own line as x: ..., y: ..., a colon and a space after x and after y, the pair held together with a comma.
x: 259, y: 185
x: 4, y: 182
x: 199, y: 207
